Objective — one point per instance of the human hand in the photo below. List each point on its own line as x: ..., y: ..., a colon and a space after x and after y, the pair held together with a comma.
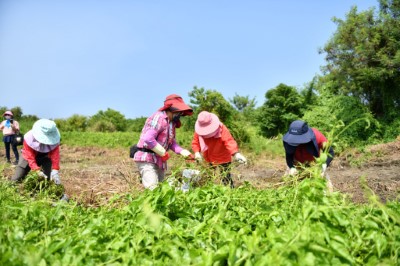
x: 198, y: 157
x: 291, y: 171
x: 240, y: 158
x: 185, y: 153
x: 165, y: 157
x: 55, y: 177
x: 41, y: 174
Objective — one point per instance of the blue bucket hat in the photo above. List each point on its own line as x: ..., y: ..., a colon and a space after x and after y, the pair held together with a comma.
x: 45, y: 131
x: 299, y: 133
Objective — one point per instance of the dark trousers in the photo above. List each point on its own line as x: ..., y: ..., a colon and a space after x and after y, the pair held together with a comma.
x: 23, y: 168
x: 15, y: 150
x: 225, y: 172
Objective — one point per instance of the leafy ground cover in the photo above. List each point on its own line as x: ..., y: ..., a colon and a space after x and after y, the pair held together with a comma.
x: 295, y: 224
x: 263, y: 221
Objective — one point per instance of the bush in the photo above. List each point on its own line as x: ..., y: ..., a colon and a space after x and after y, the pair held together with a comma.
x: 346, y: 118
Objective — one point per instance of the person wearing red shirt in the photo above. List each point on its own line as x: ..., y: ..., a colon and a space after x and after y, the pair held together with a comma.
x: 213, y: 142
x: 302, y: 145
x: 40, y: 152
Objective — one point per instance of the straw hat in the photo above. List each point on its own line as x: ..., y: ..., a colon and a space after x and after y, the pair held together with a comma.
x: 45, y: 131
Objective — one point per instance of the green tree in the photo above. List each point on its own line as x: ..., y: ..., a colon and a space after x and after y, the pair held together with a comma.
x: 363, y: 58
x: 136, y: 125
x: 347, y: 114
x: 213, y: 101
x: 243, y: 102
x: 76, y: 122
x: 110, y: 116
x: 283, y: 105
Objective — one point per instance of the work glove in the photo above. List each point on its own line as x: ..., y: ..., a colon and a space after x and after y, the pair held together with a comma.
x: 198, y: 157
x: 185, y: 153
x: 159, y: 150
x: 323, y: 171
x: 240, y: 158
x: 41, y: 174
x: 55, y: 177
x: 291, y: 171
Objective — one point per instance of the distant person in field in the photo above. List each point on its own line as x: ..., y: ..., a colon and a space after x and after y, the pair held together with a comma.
x: 302, y: 145
x: 157, y: 138
x: 213, y: 142
x: 40, y: 152
x: 10, y: 127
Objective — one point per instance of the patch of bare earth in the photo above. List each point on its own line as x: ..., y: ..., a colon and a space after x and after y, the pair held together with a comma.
x: 94, y: 175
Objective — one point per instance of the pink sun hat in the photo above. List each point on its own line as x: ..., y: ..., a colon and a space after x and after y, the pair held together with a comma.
x: 206, y: 123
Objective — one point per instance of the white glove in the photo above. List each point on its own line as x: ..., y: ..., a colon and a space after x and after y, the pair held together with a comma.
x: 159, y: 150
x: 41, y: 174
x: 185, y: 153
x: 291, y: 171
x: 198, y: 156
x: 240, y: 158
x: 55, y: 177
x: 323, y: 172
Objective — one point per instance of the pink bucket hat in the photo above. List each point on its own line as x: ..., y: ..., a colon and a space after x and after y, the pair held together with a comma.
x: 8, y: 113
x: 206, y: 123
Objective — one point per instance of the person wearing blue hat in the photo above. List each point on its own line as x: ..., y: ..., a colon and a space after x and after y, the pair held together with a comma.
x: 302, y: 145
x: 40, y: 152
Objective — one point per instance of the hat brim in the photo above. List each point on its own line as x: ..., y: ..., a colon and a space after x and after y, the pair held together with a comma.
x: 299, y: 139
x: 204, y: 131
x: 50, y: 139
x: 179, y: 107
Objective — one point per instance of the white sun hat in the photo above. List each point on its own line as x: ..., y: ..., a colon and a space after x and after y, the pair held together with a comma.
x: 45, y: 131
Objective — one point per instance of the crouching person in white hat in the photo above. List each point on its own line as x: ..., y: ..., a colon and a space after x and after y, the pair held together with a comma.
x: 40, y: 152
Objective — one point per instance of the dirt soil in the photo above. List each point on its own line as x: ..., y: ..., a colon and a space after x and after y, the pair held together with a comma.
x: 93, y: 175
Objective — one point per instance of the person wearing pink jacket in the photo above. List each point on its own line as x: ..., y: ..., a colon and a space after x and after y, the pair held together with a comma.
x: 10, y: 127
x: 157, y: 138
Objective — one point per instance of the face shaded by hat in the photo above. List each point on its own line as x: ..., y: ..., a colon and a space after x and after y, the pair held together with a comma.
x: 299, y: 133
x: 175, y: 103
x: 45, y: 131
x: 206, y: 123
x: 8, y: 113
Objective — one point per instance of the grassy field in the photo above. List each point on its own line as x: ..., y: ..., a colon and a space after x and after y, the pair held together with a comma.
x: 295, y: 224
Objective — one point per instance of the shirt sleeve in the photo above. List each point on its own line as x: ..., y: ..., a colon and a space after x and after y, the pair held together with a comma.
x: 30, y: 156
x: 175, y: 147
x: 16, y: 126
x: 229, y: 141
x: 149, y: 138
x: 2, y: 125
x: 54, y: 156
x: 195, y: 143
x: 289, y: 153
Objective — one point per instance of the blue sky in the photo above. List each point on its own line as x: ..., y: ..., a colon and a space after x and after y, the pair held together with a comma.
x: 65, y: 57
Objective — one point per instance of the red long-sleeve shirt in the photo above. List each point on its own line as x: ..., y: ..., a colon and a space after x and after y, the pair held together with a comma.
x: 220, y: 150
x: 29, y: 154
